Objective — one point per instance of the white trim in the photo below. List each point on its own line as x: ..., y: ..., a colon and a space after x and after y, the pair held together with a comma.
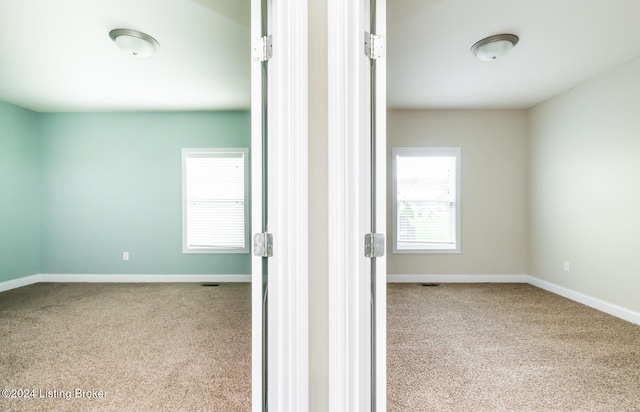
x: 119, y: 278
x: 599, y: 304
x: 596, y: 303
x: 133, y: 278
x: 287, y: 209
x: 19, y: 282
x: 349, y: 211
x: 421, y: 278
x: 348, y: 268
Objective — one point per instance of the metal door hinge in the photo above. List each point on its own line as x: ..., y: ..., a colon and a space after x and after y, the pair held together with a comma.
x: 373, y: 46
x: 262, y: 48
x: 263, y: 244
x: 373, y: 245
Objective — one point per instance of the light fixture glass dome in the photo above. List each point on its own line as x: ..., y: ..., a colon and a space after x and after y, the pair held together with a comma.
x: 494, y: 47
x: 134, y: 42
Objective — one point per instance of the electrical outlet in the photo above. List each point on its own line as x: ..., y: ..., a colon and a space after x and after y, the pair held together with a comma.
x: 567, y: 266
x: 125, y: 255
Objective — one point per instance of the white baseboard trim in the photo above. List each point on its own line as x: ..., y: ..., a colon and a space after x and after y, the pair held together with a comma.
x: 599, y: 304
x: 89, y: 278
x: 18, y: 283
x: 457, y: 278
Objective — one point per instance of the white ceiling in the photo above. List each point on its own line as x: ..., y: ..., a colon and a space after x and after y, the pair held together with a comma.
x: 57, y: 55
x: 562, y: 44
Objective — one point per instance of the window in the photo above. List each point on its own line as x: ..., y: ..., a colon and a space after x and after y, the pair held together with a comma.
x: 214, y: 201
x: 426, y: 200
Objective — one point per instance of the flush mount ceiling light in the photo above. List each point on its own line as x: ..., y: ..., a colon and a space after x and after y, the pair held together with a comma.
x: 134, y: 42
x: 494, y: 47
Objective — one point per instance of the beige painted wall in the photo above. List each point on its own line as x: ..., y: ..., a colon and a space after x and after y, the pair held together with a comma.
x: 318, y: 206
x: 585, y: 187
x: 494, y: 199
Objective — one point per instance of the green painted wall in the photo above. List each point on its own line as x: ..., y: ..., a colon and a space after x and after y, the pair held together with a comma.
x: 111, y: 182
x: 19, y: 192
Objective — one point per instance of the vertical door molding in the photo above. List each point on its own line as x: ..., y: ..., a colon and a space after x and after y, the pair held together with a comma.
x: 346, y: 266
x: 350, y: 211
x: 288, y: 208
x: 350, y: 208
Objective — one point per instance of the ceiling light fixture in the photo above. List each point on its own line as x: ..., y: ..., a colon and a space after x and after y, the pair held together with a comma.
x: 494, y: 47
x: 134, y: 42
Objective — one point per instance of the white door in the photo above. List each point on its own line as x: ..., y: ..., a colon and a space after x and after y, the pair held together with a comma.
x: 279, y: 205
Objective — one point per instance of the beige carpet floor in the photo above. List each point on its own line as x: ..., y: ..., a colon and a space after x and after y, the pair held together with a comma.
x: 170, y: 347
x: 499, y: 347
x: 149, y: 347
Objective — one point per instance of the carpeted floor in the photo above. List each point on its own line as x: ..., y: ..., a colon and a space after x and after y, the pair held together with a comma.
x: 148, y: 347
x: 169, y: 347
x: 497, y: 347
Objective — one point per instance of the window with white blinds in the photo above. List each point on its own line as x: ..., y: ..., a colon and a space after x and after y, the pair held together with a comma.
x: 215, y: 192
x: 426, y: 200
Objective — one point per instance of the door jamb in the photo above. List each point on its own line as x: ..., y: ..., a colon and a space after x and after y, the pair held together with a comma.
x: 349, y: 196
x: 288, y: 210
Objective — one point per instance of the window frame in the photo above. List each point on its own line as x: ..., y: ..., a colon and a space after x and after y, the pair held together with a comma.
x: 425, y: 152
x: 247, y: 226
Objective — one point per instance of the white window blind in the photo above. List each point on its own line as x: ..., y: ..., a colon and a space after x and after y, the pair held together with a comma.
x: 215, y: 204
x: 426, y: 199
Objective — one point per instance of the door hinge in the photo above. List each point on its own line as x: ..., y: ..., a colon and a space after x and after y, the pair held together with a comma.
x: 263, y: 244
x: 262, y: 48
x: 373, y: 46
x: 373, y: 245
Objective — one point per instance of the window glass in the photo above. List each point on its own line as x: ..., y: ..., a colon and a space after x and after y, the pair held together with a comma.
x: 426, y: 200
